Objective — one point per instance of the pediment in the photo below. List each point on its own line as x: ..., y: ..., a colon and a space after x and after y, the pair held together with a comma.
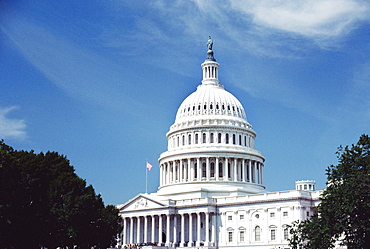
x: 140, y: 202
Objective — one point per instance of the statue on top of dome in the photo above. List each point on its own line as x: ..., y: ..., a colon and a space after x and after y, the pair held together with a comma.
x: 209, y: 43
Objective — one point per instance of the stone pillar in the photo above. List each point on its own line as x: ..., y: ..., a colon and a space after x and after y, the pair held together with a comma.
x: 174, y: 242
x: 191, y: 170
x: 217, y: 171
x: 131, y: 230
x: 181, y: 171
x: 213, y: 238
x: 226, y: 168
x: 261, y: 169
x: 235, y: 162
x: 250, y: 170
x: 208, y: 170
x: 168, y: 231
x: 243, y: 171
x: 160, y: 230
x: 145, y: 229
x: 206, y: 240
x: 198, y: 230
x: 153, y: 229
x: 124, y: 229
x: 138, y: 230
x: 182, y: 243
x: 190, y: 244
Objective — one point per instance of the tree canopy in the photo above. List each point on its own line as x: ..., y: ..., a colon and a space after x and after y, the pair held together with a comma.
x: 343, y: 216
x: 43, y: 203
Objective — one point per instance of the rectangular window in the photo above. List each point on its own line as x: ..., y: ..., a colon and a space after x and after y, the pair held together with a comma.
x: 285, y: 214
x: 229, y: 217
x: 286, y: 233
x: 242, y: 235
x: 241, y: 217
x: 196, y: 138
x: 211, y: 138
x: 230, y: 236
x: 272, y: 215
x: 273, y: 234
x: 204, y: 138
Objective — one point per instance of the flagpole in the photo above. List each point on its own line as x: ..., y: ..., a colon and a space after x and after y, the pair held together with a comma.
x: 146, y: 181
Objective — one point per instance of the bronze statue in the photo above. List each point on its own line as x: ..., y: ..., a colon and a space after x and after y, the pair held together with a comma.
x: 209, y: 43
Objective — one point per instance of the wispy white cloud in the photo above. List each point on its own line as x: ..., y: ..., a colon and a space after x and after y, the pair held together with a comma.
x: 318, y: 18
x: 10, y: 127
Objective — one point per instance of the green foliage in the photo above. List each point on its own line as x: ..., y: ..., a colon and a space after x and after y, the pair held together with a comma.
x: 343, y: 214
x: 44, y: 203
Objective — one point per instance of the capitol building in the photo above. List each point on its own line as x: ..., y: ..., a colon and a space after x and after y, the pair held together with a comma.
x: 211, y: 190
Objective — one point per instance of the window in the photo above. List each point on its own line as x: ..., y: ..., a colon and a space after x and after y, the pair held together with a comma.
x: 241, y: 217
x: 220, y: 170
x: 178, y: 141
x: 195, y: 170
x: 272, y: 215
x: 308, y: 214
x: 219, y: 138
x: 285, y: 214
x: 240, y: 139
x: 204, y: 138
x: 183, y: 140
x: 229, y: 217
x: 245, y: 140
x: 273, y: 234
x: 234, y: 139
x: 204, y: 169
x: 257, y: 233
x: 211, y: 138
x: 212, y: 169
x: 286, y: 233
x: 229, y: 170
x: 227, y: 138
x: 196, y: 138
x: 189, y: 138
x: 242, y: 235
x: 230, y: 236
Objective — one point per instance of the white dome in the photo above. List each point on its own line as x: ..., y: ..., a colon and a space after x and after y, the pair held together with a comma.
x: 210, y: 100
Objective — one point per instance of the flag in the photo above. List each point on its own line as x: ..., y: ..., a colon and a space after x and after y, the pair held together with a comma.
x: 149, y: 166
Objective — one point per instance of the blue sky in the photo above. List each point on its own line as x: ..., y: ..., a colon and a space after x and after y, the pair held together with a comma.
x: 101, y: 81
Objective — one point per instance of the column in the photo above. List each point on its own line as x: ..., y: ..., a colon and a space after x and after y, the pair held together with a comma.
x: 182, y: 243
x: 250, y: 170
x: 235, y: 169
x: 160, y: 230
x: 124, y: 237
x: 261, y: 169
x: 213, y: 238
x: 208, y: 171
x: 174, y: 230
x: 181, y: 171
x: 168, y: 231
x: 153, y: 228
x: 138, y: 230
x: 217, y: 173
x: 226, y: 168
x: 145, y: 229
x: 190, y: 244
x: 161, y: 169
x: 197, y: 243
x: 206, y: 241
x: 191, y: 170
x: 131, y: 230
x: 243, y: 171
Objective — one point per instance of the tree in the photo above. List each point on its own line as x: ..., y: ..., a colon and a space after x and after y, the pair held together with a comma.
x: 43, y: 203
x: 343, y: 213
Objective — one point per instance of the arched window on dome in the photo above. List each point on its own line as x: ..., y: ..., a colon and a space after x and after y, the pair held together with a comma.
x: 227, y: 138
x: 220, y: 170
x: 178, y: 141
x: 240, y: 139
x: 234, y: 139
x: 189, y: 139
x: 204, y: 170
x: 217, y: 107
x: 212, y: 169
x: 219, y: 138
x: 211, y: 106
x: 211, y: 138
x: 204, y: 138
x: 245, y: 140
x: 223, y: 107
x: 183, y: 140
x: 196, y: 138
x: 229, y: 171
